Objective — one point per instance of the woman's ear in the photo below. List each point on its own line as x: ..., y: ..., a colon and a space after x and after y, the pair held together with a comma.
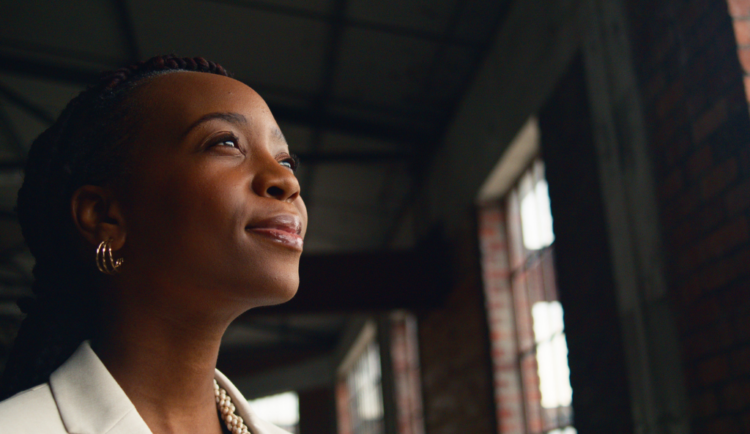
x: 98, y: 216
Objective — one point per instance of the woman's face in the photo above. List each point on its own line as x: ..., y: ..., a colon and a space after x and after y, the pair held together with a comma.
x: 212, y: 208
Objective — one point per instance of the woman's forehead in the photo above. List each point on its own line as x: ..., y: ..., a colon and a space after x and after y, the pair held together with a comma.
x: 195, y: 93
x: 178, y: 100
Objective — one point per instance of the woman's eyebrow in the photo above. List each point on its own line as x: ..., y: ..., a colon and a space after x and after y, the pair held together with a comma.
x: 231, y: 117
x: 277, y: 134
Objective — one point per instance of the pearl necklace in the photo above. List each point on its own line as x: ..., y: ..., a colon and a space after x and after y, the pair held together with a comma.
x: 234, y: 422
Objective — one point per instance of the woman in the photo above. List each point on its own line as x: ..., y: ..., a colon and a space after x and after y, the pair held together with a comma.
x: 160, y: 206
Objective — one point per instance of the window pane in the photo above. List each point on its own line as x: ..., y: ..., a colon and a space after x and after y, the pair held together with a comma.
x: 536, y: 216
x: 552, y: 354
x: 281, y: 410
x: 365, y: 414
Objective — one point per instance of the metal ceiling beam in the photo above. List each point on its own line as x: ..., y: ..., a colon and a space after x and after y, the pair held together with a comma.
x: 125, y: 20
x: 349, y: 22
x: 46, y: 70
x: 28, y: 106
x: 330, y: 62
x: 306, y: 158
x: 356, y: 127
x: 354, y: 157
x: 370, y: 281
x: 36, y: 50
x: 312, y: 118
x: 9, y: 131
x: 288, y: 332
x: 418, y: 187
x: 443, y: 44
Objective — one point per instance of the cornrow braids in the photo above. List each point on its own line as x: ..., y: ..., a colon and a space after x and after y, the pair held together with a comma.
x: 86, y: 145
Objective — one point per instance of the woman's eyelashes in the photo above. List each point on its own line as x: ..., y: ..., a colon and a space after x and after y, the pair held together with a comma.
x: 289, y: 161
x: 229, y: 141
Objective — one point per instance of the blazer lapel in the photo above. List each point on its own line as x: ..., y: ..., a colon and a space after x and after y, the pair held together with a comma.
x: 90, y: 400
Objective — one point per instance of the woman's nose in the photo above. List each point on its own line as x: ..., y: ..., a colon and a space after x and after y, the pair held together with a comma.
x: 275, y: 181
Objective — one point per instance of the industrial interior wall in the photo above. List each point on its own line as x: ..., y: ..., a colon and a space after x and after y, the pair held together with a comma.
x: 586, y: 288
x: 696, y: 113
x: 317, y: 414
x: 457, y: 387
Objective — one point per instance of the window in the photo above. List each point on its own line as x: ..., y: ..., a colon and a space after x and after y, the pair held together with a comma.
x: 365, y: 396
x: 359, y: 395
x: 282, y: 410
x: 526, y: 319
x: 542, y: 348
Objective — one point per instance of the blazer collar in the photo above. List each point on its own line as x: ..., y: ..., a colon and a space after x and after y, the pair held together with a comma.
x: 90, y: 400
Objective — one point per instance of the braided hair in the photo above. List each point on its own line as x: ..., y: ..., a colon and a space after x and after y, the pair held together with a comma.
x: 87, y: 145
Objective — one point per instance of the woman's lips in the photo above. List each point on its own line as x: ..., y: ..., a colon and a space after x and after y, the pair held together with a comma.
x: 284, y: 229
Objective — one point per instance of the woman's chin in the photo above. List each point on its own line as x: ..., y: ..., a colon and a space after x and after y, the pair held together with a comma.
x: 273, y: 292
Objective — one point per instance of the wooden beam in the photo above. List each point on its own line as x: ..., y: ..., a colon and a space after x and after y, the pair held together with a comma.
x: 369, y: 282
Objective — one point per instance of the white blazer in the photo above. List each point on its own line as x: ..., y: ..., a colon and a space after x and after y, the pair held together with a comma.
x: 82, y: 397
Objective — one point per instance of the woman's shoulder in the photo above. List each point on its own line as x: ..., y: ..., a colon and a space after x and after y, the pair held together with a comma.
x: 31, y: 411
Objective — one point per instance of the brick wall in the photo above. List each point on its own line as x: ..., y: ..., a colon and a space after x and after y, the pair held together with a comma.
x: 498, y: 293
x: 695, y: 102
x: 585, y: 282
x: 455, y: 353
x: 406, y: 374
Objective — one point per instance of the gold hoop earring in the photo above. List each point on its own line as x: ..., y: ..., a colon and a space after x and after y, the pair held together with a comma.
x: 105, y: 261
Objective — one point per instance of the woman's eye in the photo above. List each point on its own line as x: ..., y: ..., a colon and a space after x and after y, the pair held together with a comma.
x: 229, y: 142
x: 291, y: 162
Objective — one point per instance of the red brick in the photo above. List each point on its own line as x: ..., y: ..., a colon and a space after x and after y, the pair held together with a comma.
x: 741, y: 329
x: 742, y: 32
x: 735, y: 299
x: 723, y: 272
x: 655, y: 85
x: 740, y: 361
x: 681, y: 144
x: 713, y: 371
x: 710, y: 121
x: 717, y: 243
x: 671, y: 184
x: 703, y: 314
x: 669, y: 99
x: 719, y: 178
x: 727, y: 237
x: 684, y: 204
x: 685, y: 234
x: 704, y: 405
x: 738, y: 198
x: 697, y: 346
x: 700, y: 161
x: 739, y: 8
x: 709, y: 341
x: 689, y: 291
x: 692, y: 12
x: 725, y: 425
x: 736, y: 396
x: 744, y: 54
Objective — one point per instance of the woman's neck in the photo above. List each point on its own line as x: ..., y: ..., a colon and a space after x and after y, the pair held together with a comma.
x: 164, y: 360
